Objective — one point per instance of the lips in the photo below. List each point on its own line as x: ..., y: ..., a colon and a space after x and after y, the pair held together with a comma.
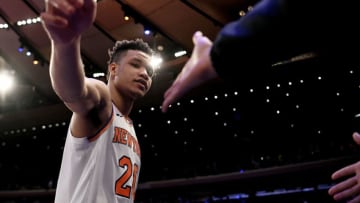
x: 143, y: 83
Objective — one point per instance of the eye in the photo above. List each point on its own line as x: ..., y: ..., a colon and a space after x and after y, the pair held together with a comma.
x: 136, y: 65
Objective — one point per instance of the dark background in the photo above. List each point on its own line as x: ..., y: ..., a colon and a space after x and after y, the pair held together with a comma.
x: 274, y: 140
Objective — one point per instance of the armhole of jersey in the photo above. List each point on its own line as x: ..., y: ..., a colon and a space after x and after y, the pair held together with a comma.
x: 106, y: 126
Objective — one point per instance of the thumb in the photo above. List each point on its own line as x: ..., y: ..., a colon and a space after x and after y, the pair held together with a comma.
x: 197, y: 35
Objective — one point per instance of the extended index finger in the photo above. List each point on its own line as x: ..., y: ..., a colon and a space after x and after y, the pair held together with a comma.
x: 346, y: 171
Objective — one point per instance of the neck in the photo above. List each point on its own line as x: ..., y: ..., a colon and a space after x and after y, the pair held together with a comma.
x: 124, y: 107
x: 123, y: 103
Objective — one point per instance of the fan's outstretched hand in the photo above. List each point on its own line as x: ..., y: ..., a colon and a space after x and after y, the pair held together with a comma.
x: 197, y: 70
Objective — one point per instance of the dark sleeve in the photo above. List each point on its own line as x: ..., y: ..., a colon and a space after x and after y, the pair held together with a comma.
x: 250, y: 45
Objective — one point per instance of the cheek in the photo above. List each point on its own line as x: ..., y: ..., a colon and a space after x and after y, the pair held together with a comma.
x: 123, y: 76
x: 120, y: 79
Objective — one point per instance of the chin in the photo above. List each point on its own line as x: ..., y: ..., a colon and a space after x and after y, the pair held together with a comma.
x: 138, y: 95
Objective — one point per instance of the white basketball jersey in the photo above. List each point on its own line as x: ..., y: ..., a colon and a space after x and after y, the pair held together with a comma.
x: 101, y: 169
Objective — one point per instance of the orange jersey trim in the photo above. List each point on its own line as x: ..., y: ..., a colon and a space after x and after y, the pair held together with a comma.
x: 107, y: 125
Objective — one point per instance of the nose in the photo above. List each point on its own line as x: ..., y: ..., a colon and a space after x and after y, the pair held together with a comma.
x: 144, y: 74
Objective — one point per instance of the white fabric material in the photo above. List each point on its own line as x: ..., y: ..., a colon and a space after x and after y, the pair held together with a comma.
x: 102, y: 169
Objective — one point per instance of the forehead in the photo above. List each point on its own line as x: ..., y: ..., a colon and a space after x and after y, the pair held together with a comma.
x: 137, y: 55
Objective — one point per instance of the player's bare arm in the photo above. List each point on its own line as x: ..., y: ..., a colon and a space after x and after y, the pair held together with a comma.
x: 65, y: 21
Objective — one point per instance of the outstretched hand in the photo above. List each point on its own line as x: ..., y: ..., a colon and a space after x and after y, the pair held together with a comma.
x: 348, y: 189
x: 65, y: 20
x: 197, y: 70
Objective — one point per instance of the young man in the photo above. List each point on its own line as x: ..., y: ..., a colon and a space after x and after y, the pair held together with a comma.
x: 101, y: 159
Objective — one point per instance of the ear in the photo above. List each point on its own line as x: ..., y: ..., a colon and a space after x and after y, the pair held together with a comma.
x: 111, y: 69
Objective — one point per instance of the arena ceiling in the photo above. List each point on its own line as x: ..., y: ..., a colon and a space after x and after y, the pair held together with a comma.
x: 172, y: 23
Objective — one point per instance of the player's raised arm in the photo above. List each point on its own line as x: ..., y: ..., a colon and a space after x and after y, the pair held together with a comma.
x: 64, y: 22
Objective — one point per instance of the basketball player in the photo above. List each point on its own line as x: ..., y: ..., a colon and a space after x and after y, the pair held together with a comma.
x: 101, y: 158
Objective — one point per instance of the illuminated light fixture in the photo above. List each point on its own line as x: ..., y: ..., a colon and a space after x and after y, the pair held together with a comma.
x: 28, y: 53
x: 160, y: 48
x: 127, y: 12
x: 21, y: 48
x: 242, y: 13
x: 180, y: 53
x: 28, y: 21
x: 156, y: 61
x: 36, y: 61
x: 4, y: 26
x: 147, y: 32
x: 6, y: 82
x: 97, y: 75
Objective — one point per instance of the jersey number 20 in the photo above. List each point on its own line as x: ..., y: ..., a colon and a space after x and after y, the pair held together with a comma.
x: 120, y: 186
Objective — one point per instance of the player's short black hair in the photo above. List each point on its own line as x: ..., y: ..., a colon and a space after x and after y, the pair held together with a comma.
x: 125, y: 45
x: 122, y: 46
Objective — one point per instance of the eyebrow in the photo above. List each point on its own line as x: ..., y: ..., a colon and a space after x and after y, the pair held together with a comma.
x: 142, y: 61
